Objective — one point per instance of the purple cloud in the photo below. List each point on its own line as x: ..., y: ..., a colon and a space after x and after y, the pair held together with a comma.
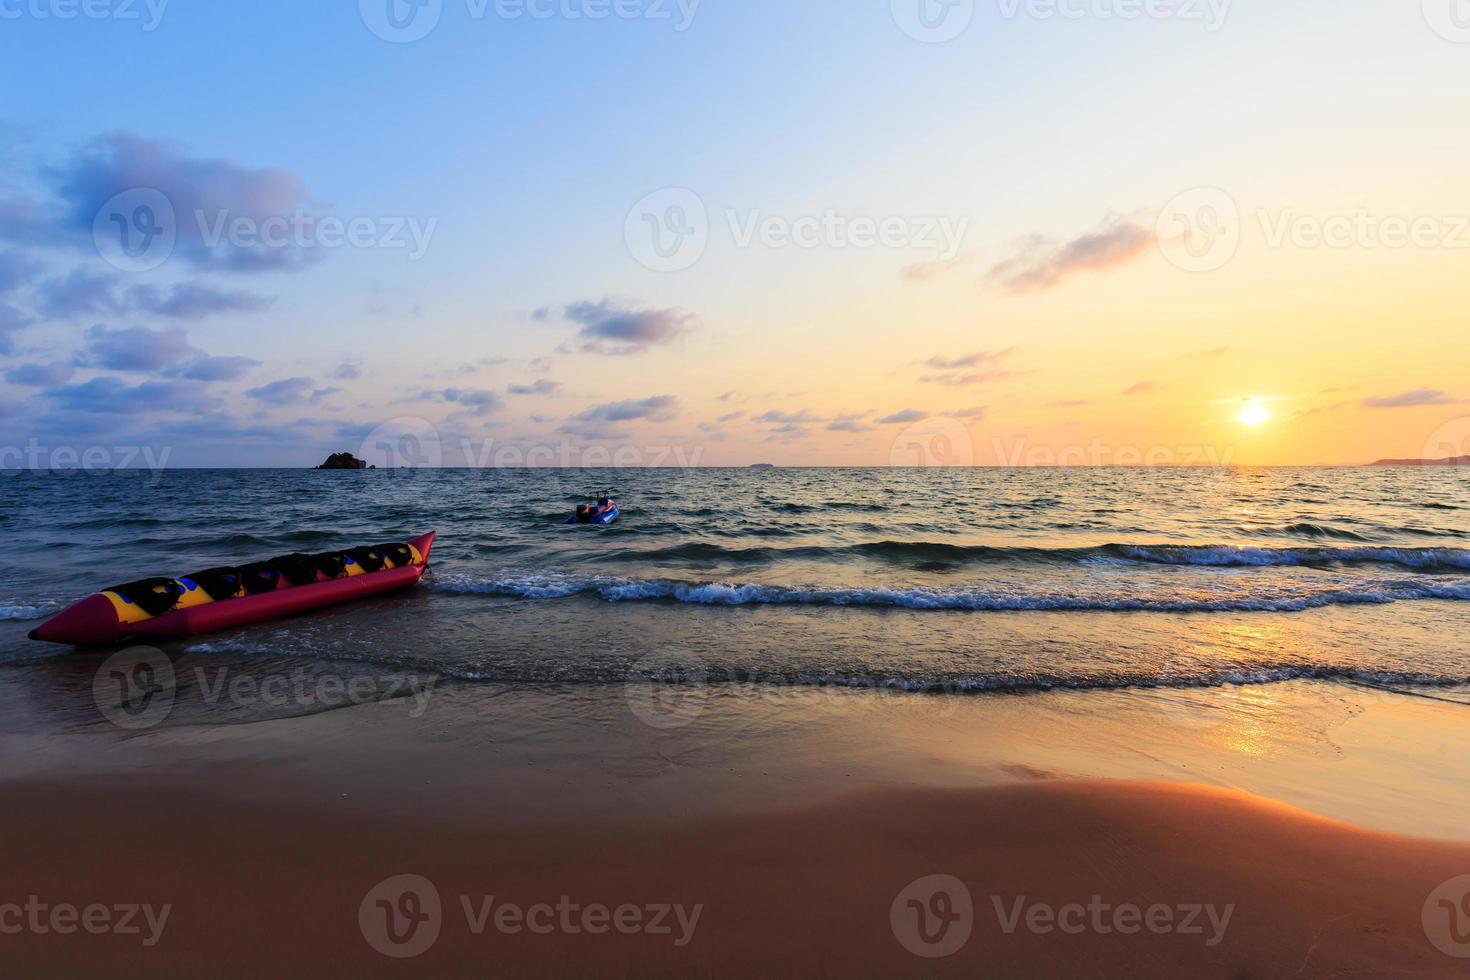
x: 660, y: 408
x: 137, y: 349
x: 970, y: 360
x: 114, y: 396
x: 1417, y: 398
x: 542, y: 387
x: 218, y: 368
x: 206, y: 194
x: 193, y: 301
x: 610, y: 329
x: 287, y: 391
x: 1142, y: 388
x: 904, y: 417
x: 40, y: 375
x: 1040, y: 264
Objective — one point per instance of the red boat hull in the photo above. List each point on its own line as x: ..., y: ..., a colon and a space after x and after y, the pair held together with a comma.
x: 93, y: 622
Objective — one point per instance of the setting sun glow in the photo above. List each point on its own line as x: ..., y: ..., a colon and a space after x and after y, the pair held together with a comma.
x: 1254, y: 416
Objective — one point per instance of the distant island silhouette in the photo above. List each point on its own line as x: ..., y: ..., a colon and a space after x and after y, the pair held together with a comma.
x: 1448, y: 461
x: 345, y: 461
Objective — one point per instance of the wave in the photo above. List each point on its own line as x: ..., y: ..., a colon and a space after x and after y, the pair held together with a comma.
x: 25, y: 611
x: 615, y: 589
x: 934, y: 552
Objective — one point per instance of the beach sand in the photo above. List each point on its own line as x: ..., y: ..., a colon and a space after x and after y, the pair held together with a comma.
x: 774, y: 833
x: 264, y: 889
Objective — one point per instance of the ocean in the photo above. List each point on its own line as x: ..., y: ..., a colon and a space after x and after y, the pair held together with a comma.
x: 923, y: 580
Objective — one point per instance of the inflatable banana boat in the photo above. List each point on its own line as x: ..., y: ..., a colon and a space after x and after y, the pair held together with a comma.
x: 223, y: 598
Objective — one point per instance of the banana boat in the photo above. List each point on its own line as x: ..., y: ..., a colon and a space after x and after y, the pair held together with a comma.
x: 223, y: 598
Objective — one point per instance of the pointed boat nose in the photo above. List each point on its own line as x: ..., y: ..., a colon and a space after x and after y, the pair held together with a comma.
x: 423, y: 544
x: 91, y: 622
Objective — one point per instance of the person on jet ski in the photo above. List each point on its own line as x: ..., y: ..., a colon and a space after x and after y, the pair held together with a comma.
x: 587, y: 513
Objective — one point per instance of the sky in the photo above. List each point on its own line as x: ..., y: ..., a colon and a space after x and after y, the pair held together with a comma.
x: 721, y: 232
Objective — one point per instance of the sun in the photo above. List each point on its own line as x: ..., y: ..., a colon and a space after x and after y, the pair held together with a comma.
x: 1254, y: 415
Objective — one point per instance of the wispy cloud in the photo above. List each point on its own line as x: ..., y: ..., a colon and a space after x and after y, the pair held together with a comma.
x: 1039, y: 264
x: 1142, y: 388
x: 904, y: 417
x: 1413, y: 399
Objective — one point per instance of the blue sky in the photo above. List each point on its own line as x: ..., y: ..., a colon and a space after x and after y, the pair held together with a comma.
x: 510, y: 149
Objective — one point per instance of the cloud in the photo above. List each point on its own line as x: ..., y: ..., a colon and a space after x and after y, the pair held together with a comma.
x: 111, y: 395
x: 730, y: 417
x: 976, y: 412
x: 79, y: 293
x: 611, y: 329
x: 218, y: 368
x: 347, y: 371
x: 969, y: 378
x: 1069, y: 403
x: 927, y: 271
x: 727, y: 396
x: 12, y: 321
x: 1142, y: 388
x: 137, y: 349
x: 287, y: 391
x: 802, y: 417
x: 16, y: 269
x: 203, y: 193
x: 660, y: 408
x: 904, y: 417
x: 848, y: 425
x: 40, y: 375
x: 1040, y: 264
x: 478, y: 401
x: 193, y: 301
x: 970, y: 360
x: 1211, y: 353
x: 1413, y: 399
x: 542, y: 387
